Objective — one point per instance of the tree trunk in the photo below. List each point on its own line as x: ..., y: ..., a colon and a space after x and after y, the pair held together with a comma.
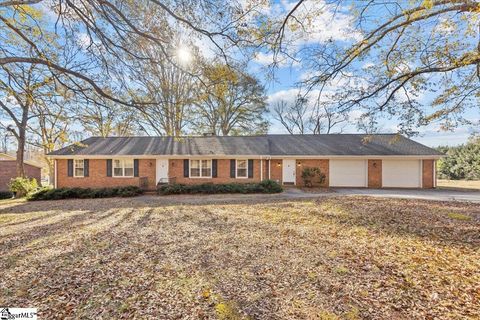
x: 21, y: 138
x: 225, y: 130
x: 20, y: 152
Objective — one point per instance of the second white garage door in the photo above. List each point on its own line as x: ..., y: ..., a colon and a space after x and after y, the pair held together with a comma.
x: 348, y: 173
x: 401, y: 173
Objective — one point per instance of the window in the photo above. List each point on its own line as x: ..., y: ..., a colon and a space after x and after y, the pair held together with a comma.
x: 242, y: 169
x: 78, y: 168
x: 200, y: 168
x: 123, y: 168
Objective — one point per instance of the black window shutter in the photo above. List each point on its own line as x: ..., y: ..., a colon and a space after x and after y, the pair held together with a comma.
x: 186, y: 168
x: 85, y: 168
x: 214, y: 168
x: 250, y: 168
x: 232, y: 168
x: 135, y: 167
x: 70, y: 167
x: 109, y: 167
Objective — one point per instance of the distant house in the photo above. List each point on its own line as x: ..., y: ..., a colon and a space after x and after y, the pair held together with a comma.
x: 347, y: 160
x: 8, y: 170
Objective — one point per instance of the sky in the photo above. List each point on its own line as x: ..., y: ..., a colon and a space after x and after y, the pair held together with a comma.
x: 284, y: 88
x: 323, y: 28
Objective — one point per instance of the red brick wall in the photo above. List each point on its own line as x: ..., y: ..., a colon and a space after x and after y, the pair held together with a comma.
x: 323, y: 164
x: 98, y: 175
x: 276, y: 170
x: 375, y: 173
x: 8, y: 171
x: 175, y: 173
x: 427, y: 174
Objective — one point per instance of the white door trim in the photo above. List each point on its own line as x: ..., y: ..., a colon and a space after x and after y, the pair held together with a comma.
x: 161, y: 170
x: 288, y: 171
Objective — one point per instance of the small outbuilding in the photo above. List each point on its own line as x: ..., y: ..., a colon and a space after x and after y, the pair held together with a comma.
x: 8, y: 170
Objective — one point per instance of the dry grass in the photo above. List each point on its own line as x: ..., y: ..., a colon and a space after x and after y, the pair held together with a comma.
x: 332, y: 258
x: 459, y: 184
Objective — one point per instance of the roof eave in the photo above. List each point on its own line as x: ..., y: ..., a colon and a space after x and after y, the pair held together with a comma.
x: 151, y: 156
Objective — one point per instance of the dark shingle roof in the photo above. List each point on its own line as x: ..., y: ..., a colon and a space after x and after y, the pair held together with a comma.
x: 274, y: 145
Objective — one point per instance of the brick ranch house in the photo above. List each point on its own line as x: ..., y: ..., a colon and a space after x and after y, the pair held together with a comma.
x: 347, y: 160
x: 8, y: 170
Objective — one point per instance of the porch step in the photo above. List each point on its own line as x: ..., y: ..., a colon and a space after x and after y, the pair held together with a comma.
x: 150, y: 192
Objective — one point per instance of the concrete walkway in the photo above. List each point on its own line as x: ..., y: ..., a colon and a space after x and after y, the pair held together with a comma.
x: 426, y: 194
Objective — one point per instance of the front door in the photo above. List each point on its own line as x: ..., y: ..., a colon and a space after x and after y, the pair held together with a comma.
x: 162, y: 171
x: 288, y: 170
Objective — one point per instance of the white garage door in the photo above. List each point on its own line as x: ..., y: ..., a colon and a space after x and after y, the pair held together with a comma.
x: 348, y: 173
x: 401, y: 173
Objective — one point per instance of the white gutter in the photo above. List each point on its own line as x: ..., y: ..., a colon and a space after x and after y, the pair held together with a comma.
x: 212, y: 156
x: 55, y: 174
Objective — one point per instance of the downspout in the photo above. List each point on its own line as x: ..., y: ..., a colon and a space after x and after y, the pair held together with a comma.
x: 268, y: 167
x: 55, y: 174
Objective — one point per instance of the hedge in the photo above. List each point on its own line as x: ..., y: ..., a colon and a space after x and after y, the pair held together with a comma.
x: 6, y: 195
x: 85, y: 193
x: 267, y: 186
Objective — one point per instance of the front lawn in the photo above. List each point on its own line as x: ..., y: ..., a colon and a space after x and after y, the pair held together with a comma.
x: 332, y: 258
x: 459, y: 184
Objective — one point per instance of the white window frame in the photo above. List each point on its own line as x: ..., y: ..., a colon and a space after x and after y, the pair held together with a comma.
x: 236, y: 169
x: 75, y: 168
x: 123, y: 167
x: 200, y: 168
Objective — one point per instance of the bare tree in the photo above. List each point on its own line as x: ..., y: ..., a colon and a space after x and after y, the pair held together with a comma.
x: 232, y: 103
x: 21, y: 88
x: 398, y: 50
x: 367, y: 124
x: 293, y: 116
x: 171, y: 90
x: 325, y: 118
x: 105, y: 118
x: 50, y: 127
x: 300, y: 117
x: 104, y: 29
